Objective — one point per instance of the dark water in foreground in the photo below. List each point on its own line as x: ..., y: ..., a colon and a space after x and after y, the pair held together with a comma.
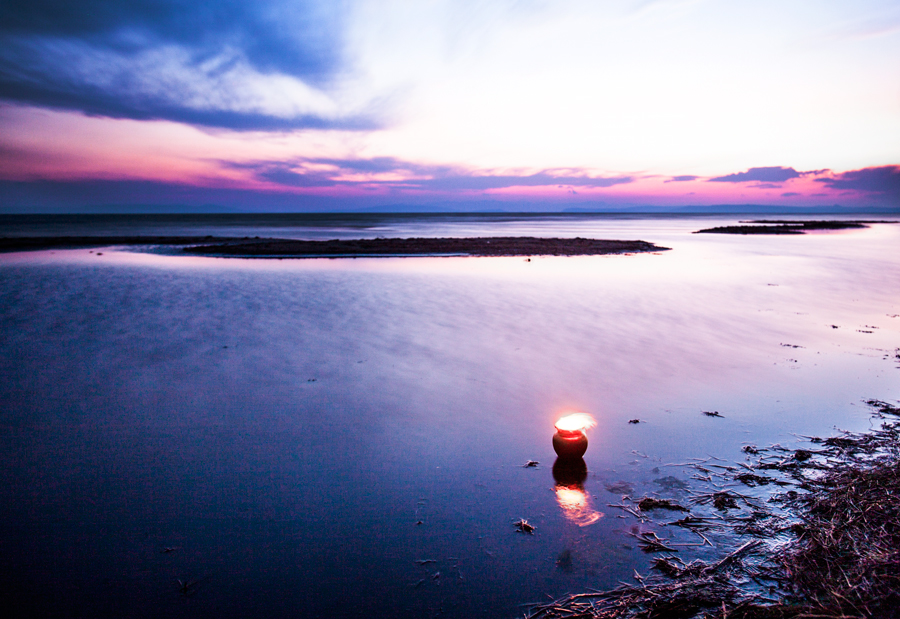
x: 344, y: 438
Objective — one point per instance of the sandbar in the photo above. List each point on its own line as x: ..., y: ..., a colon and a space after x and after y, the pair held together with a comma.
x: 476, y: 246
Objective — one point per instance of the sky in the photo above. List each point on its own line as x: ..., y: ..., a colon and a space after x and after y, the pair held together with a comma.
x: 500, y: 105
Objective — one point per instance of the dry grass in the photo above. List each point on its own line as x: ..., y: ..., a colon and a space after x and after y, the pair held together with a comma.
x: 846, y: 557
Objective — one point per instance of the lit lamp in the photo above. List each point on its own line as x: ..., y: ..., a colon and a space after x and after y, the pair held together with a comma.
x: 570, y: 442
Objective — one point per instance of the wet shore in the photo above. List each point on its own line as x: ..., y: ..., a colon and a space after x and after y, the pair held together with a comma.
x: 823, y: 543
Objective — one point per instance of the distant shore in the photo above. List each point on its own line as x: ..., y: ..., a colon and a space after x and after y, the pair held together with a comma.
x: 788, y: 226
x: 284, y: 248
x: 35, y: 243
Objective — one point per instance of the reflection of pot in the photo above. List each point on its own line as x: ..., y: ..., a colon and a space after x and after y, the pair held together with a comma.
x: 570, y: 472
x: 570, y: 444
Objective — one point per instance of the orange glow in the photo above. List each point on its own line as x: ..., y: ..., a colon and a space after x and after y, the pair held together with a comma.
x: 576, y: 422
x: 575, y: 505
x: 571, y: 498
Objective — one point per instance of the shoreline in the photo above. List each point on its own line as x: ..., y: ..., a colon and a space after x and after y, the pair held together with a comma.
x: 823, y: 542
x: 246, y: 247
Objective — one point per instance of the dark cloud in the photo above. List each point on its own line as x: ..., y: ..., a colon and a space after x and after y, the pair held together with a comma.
x: 789, y: 194
x: 283, y: 175
x: 296, y: 37
x: 377, y: 165
x: 136, y: 196
x: 884, y: 180
x: 766, y: 175
x: 681, y: 179
x: 228, y: 63
x: 433, y: 178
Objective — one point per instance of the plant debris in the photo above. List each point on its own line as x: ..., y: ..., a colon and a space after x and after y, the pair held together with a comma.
x: 187, y: 587
x: 752, y: 479
x: 648, y: 503
x: 650, y: 542
x: 724, y: 501
x: 801, y: 455
x: 828, y: 547
x: 691, y: 522
x: 531, y: 464
x: 712, y: 413
x: 523, y: 526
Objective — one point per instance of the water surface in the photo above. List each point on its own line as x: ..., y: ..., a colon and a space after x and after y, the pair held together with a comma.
x: 344, y: 438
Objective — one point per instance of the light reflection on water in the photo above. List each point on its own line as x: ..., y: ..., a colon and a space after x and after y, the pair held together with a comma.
x: 286, y: 425
x: 573, y: 499
x: 575, y: 504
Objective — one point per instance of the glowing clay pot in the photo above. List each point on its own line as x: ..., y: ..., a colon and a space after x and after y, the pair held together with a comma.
x: 570, y: 444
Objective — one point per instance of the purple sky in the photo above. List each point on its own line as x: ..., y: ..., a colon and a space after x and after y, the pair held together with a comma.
x: 464, y: 105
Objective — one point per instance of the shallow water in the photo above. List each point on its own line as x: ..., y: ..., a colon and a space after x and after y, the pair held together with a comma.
x: 346, y: 437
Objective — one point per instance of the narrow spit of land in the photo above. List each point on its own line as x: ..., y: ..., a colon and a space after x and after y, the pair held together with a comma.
x: 246, y: 247
x: 477, y: 246
x: 788, y: 226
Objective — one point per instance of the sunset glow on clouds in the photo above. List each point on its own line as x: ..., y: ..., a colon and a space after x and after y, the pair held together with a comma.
x: 505, y: 104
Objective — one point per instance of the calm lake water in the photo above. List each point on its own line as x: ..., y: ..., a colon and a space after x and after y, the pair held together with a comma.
x: 346, y: 438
